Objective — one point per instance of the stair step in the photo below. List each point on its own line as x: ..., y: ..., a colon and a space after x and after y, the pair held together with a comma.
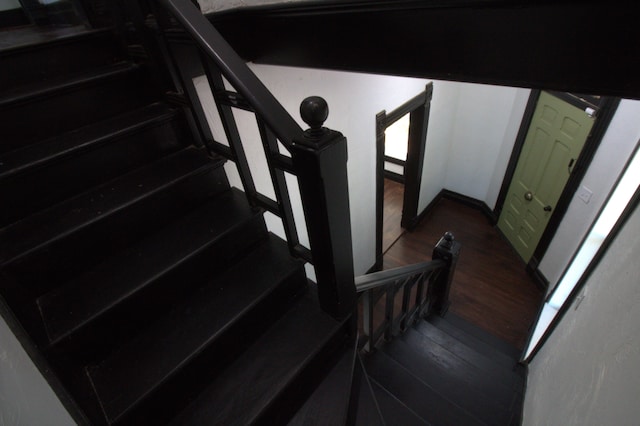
x: 418, y: 396
x: 367, y: 410
x: 265, y: 381
x: 468, y: 386
x: 485, y: 360
x: 213, y: 232
x: 21, y: 160
x: 394, y: 411
x: 71, y: 235
x: 472, y: 341
x: 333, y: 391
x: 48, y: 108
x: 484, y: 336
x: 199, y: 332
x: 48, y: 171
x: 41, y: 89
x: 55, y: 56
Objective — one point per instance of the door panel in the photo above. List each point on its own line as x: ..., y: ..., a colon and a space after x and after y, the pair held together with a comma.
x: 555, y: 137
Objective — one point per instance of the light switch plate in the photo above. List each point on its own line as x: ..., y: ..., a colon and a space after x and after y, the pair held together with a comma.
x: 585, y: 194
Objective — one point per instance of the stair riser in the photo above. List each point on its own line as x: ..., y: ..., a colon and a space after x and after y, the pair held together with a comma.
x: 60, y: 260
x: 51, y: 60
x: 183, y: 386
x: 36, y: 189
x: 55, y: 113
x: 117, y: 325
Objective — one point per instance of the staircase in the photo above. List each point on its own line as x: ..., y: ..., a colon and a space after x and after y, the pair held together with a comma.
x: 151, y: 291
x: 446, y: 371
x: 151, y: 288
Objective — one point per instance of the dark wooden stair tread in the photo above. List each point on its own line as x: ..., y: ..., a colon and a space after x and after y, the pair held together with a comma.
x: 418, y: 396
x: 393, y: 410
x: 495, y: 353
x: 426, y: 334
x: 483, y: 336
x: 367, y: 409
x: 70, y: 307
x: 134, y: 370
x: 329, y: 403
x: 47, y: 87
x: 64, y: 218
x: 245, y: 390
x: 35, y: 155
x: 456, y: 380
x: 54, y: 52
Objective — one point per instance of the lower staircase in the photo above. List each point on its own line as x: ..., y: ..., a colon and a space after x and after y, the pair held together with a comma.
x: 446, y: 371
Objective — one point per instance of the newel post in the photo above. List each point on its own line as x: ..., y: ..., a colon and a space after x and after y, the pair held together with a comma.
x: 447, y: 250
x: 320, y: 162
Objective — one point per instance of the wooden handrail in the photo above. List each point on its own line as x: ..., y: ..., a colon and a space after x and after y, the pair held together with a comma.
x: 424, y: 289
x: 236, y: 71
x: 389, y: 276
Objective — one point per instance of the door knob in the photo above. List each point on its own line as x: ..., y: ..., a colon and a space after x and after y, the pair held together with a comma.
x: 547, y: 208
x: 528, y: 196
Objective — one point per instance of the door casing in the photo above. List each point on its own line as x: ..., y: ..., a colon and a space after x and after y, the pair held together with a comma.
x: 544, y: 166
x: 418, y: 108
x: 605, y: 110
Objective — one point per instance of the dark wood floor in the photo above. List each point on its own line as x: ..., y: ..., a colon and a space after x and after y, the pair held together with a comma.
x: 393, y: 198
x: 490, y: 288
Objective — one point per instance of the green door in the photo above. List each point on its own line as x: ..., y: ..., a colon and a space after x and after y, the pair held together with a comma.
x: 555, y: 138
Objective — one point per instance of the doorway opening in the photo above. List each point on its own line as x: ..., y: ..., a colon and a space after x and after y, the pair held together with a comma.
x: 412, y: 120
x: 558, y: 137
x: 395, y: 156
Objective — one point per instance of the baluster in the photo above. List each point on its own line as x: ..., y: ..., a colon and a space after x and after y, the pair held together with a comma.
x: 320, y: 161
x: 447, y: 250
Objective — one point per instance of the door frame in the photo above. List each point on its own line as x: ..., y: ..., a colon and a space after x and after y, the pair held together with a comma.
x: 418, y: 107
x: 605, y: 109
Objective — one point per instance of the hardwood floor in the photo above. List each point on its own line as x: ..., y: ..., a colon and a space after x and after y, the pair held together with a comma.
x: 490, y: 288
x: 393, y: 199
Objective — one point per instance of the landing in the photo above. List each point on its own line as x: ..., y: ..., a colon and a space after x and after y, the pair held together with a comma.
x: 490, y: 288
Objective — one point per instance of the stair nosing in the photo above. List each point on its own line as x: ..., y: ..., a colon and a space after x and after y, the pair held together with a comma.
x: 374, y: 382
x: 203, y: 168
x: 86, y: 143
x: 147, y: 281
x: 229, y: 322
x: 53, y: 86
x: 292, y: 373
x: 44, y: 44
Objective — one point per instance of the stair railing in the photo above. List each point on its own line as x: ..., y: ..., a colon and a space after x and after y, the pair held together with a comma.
x: 316, y: 157
x: 420, y: 289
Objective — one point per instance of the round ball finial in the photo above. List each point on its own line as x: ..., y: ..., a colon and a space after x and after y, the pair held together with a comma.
x: 448, y: 236
x: 314, y: 111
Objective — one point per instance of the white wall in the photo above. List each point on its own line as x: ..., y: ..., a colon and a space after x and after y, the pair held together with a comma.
x: 354, y: 100
x: 612, y: 154
x: 486, y: 124
x: 472, y: 129
x: 441, y: 126
x: 9, y: 4
x: 587, y: 373
x: 25, y: 396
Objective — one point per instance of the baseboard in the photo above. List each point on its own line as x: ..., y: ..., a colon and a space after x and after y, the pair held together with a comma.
x: 394, y: 176
x: 471, y: 202
x: 459, y: 198
x: 375, y: 267
x: 425, y: 212
x: 532, y: 269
